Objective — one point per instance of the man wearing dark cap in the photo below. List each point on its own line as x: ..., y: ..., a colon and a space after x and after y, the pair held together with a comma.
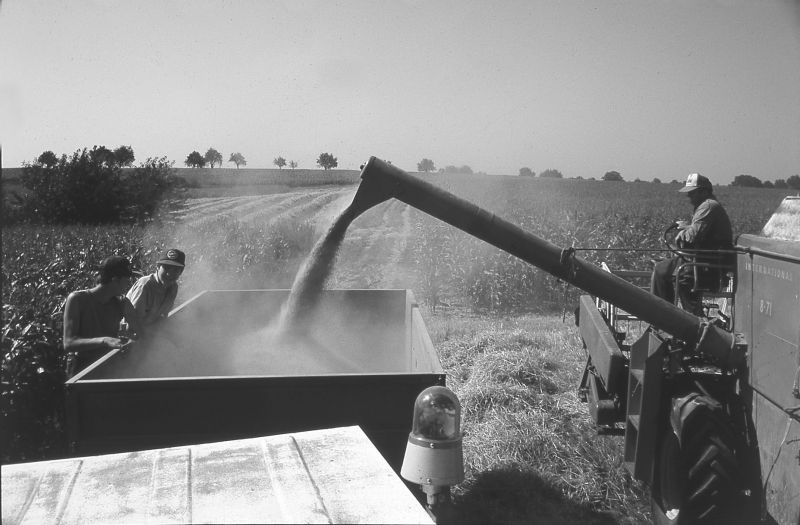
x: 153, y: 296
x: 92, y: 317
x: 710, y: 229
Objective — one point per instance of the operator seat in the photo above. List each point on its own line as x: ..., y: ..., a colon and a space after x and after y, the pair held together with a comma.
x: 713, y: 282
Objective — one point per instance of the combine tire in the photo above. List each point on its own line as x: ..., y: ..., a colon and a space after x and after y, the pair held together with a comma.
x: 698, y: 481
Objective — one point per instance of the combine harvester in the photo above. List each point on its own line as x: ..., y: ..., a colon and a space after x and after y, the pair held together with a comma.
x: 710, y: 407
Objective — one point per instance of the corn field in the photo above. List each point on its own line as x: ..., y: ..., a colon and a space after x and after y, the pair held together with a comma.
x: 259, y: 242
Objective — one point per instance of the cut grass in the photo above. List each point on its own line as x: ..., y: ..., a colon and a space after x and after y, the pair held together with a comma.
x: 531, y: 452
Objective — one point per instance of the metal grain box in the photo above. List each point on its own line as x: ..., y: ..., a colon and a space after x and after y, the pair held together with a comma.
x: 213, y: 373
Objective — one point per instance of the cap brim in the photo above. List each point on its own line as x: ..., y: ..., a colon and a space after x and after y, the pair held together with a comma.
x: 172, y: 263
x: 690, y: 189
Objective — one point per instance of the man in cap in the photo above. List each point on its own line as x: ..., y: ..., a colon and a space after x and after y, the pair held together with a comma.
x: 710, y: 229
x: 92, y: 317
x: 153, y: 295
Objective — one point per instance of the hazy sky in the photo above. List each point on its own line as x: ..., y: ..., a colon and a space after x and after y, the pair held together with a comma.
x: 650, y: 88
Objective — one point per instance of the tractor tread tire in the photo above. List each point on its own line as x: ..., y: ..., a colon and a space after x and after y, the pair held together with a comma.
x: 706, y: 467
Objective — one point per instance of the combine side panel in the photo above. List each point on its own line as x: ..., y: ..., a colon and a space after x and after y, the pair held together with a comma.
x: 608, y: 360
x: 604, y: 380
x: 768, y: 312
x: 644, y: 401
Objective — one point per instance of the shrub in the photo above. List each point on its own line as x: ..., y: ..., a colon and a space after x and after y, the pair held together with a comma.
x: 91, y: 187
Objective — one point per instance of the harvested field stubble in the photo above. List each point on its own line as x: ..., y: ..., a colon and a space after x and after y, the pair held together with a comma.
x: 531, y: 453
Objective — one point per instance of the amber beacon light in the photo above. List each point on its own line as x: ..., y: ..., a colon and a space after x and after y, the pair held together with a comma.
x: 434, y: 458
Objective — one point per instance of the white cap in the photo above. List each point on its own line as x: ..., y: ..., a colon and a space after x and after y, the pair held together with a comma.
x: 695, y: 181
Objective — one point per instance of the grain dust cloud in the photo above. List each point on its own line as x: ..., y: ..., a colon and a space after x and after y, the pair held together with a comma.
x: 306, y: 331
x: 286, y: 345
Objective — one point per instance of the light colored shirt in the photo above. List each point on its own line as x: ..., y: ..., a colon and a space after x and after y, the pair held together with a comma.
x: 152, y: 299
x: 710, y: 227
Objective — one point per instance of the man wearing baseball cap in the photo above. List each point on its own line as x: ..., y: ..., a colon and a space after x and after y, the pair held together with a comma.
x: 710, y: 229
x: 153, y: 296
x: 92, y: 317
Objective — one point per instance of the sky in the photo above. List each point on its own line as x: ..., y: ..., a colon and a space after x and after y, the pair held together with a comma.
x: 649, y: 88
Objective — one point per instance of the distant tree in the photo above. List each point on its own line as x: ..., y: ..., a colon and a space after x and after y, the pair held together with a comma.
x: 578, y: 178
x: 656, y: 180
x: 102, y: 155
x: 746, y: 181
x: 612, y: 176
x: 213, y: 157
x: 426, y: 165
x: 637, y: 179
x: 793, y: 182
x: 238, y: 159
x: 280, y: 162
x: 673, y: 181
x: 551, y: 174
x: 526, y: 172
x: 293, y: 164
x: 123, y: 156
x: 768, y: 184
x: 195, y: 160
x: 148, y: 187
x: 780, y: 183
x: 591, y: 178
x: 327, y: 161
x: 47, y: 159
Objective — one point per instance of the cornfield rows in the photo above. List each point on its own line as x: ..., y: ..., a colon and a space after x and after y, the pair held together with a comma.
x: 376, y: 252
x: 259, y: 241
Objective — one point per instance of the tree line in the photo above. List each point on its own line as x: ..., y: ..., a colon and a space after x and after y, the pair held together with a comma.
x: 749, y: 181
x: 213, y: 157
x: 743, y: 181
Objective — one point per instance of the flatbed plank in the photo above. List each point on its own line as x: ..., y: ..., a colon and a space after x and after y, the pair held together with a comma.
x: 321, y: 476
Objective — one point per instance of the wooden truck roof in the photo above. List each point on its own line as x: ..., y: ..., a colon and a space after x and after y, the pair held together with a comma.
x: 322, y: 476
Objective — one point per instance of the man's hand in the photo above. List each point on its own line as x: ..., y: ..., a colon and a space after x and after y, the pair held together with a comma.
x: 682, y: 225
x: 127, y: 345
x: 113, y: 342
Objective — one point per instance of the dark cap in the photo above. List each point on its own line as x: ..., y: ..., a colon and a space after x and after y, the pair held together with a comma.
x: 173, y: 257
x: 695, y: 181
x: 116, y: 266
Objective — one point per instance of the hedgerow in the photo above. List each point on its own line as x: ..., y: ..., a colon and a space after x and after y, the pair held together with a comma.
x: 91, y: 187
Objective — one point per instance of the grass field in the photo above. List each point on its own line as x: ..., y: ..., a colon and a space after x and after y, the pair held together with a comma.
x: 530, y: 451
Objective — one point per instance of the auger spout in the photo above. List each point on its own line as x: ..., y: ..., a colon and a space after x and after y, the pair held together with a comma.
x: 381, y: 181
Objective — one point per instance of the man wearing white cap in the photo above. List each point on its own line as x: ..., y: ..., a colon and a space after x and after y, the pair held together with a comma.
x: 153, y: 296
x: 710, y: 229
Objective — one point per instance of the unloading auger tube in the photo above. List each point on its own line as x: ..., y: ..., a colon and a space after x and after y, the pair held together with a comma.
x: 381, y: 181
